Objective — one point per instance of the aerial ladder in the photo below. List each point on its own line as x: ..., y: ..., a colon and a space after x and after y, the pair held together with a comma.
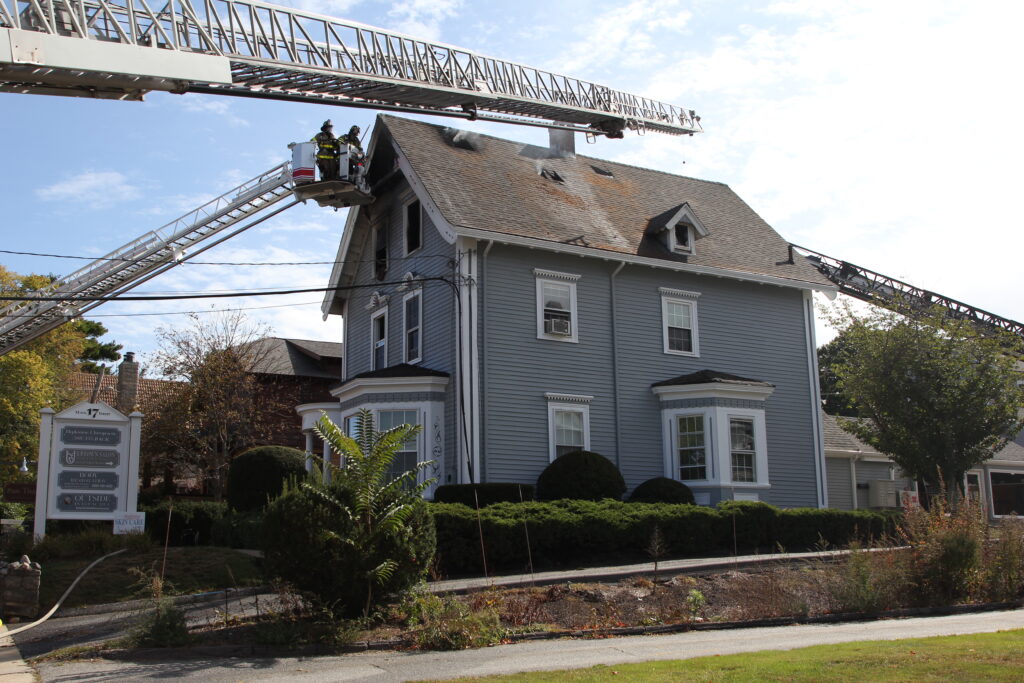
x: 882, y: 290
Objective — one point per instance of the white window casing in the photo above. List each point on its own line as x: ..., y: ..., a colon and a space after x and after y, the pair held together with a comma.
x: 412, y: 324
x: 679, y: 329
x: 557, y: 311
x: 379, y: 339
x: 568, y: 427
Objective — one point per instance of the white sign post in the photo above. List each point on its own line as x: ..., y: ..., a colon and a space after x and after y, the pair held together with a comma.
x: 88, y: 464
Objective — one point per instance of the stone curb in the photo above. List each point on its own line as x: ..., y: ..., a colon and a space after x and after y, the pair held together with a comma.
x: 139, y: 605
x: 228, y: 651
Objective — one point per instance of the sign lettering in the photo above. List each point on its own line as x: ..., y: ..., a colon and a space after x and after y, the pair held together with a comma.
x: 90, y: 436
x: 89, y: 481
x: 86, y: 502
x: 86, y: 457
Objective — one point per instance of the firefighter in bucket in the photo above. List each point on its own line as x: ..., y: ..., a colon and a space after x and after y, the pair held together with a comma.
x: 328, y: 151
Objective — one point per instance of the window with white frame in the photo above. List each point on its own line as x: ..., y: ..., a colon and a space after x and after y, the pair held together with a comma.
x: 691, y: 448
x: 413, y: 227
x: 682, y: 238
x: 568, y: 426
x: 407, y: 457
x: 679, y: 322
x: 379, y: 339
x: 557, y: 317
x: 1007, y: 493
x: 743, y: 452
x: 413, y: 304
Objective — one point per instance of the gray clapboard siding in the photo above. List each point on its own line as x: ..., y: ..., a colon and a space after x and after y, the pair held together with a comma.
x: 840, y: 494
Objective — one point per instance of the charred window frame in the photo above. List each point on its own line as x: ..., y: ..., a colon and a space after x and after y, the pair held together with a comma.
x: 380, y: 252
x: 413, y: 226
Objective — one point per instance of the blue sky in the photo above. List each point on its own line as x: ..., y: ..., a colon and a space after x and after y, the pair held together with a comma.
x: 887, y: 134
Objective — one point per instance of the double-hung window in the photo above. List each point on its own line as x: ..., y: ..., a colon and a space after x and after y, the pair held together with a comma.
x: 557, y: 317
x: 408, y: 455
x: 413, y: 227
x: 379, y: 339
x: 413, y: 304
x: 691, y: 446
x: 568, y: 423
x: 679, y: 321
x: 742, y: 449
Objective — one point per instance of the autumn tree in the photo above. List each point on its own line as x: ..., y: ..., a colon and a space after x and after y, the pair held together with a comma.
x: 221, y: 408
x: 942, y: 395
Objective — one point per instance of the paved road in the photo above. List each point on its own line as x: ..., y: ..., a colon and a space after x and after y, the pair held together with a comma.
x: 377, y: 667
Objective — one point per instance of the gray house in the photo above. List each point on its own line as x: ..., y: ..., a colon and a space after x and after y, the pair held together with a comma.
x: 521, y: 302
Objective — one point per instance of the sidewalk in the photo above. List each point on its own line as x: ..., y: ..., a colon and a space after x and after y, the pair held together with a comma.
x: 12, y: 668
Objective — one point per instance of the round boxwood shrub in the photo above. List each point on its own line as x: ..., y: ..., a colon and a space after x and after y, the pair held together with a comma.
x: 306, y: 543
x: 580, y: 475
x: 258, y: 474
x: 662, y: 490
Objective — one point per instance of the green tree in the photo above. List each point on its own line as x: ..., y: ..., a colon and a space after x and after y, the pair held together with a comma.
x: 94, y: 351
x: 368, y: 530
x: 830, y: 355
x: 942, y: 395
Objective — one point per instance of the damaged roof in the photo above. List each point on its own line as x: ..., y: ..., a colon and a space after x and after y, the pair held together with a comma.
x: 483, y: 183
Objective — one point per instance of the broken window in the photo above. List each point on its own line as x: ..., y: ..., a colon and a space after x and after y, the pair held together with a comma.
x: 413, y: 227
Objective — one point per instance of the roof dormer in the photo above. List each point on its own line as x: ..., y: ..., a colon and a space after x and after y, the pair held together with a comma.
x: 681, y: 230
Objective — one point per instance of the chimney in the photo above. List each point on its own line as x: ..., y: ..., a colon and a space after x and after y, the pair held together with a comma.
x: 127, y: 383
x: 561, y: 143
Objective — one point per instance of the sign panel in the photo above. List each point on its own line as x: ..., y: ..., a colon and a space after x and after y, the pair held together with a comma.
x: 87, y: 481
x: 86, y: 502
x: 20, y: 492
x: 129, y: 523
x: 90, y: 436
x: 88, y: 457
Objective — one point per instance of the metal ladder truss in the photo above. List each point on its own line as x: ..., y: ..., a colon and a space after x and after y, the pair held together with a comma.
x: 282, y: 53
x: 139, y: 260
x: 873, y: 287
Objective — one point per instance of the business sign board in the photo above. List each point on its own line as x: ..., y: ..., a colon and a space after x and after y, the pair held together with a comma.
x: 129, y: 523
x: 20, y: 492
x: 88, y: 464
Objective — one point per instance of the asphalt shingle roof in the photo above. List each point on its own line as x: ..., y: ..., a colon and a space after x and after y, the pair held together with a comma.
x: 496, y: 185
x: 149, y: 390
x: 297, y: 357
x: 708, y: 376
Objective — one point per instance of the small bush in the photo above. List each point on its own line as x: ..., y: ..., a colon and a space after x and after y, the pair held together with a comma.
x: 485, y: 494
x: 445, y: 623
x: 165, y: 626
x: 258, y: 475
x: 88, y: 544
x: 12, y: 510
x: 238, y: 530
x: 1002, y: 577
x: 662, y: 490
x: 580, y: 475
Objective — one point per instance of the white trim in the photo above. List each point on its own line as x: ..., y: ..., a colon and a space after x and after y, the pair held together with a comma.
x: 678, y: 293
x: 817, y: 421
x: 554, y: 275
x: 582, y: 408
x: 568, y: 398
x: 558, y: 279
x: 407, y: 202
x: 447, y: 231
x: 388, y: 385
x: 690, y: 303
x: 469, y: 371
x: 717, y: 446
x: 381, y: 312
x: 310, y: 413
x: 988, y: 485
x: 405, y: 327
x: 737, y: 390
x: 672, y: 453
x: 686, y: 212
x: 608, y: 255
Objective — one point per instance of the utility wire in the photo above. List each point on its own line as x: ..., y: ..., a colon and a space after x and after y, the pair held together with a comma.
x: 220, y: 263
x: 204, y: 311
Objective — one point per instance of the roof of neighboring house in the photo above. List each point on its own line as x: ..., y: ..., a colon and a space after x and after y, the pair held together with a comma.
x: 707, y: 377
x: 840, y: 441
x: 149, y: 390
x: 496, y: 185
x: 298, y: 357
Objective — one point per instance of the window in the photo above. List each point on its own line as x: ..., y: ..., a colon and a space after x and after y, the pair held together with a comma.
x: 682, y: 239
x: 741, y: 447
x: 691, y: 447
x: 406, y: 458
x: 380, y: 252
x: 1007, y: 493
x: 568, y: 427
x: 679, y: 322
x: 413, y: 315
x: 413, y: 227
x: 556, y: 306
x: 379, y: 339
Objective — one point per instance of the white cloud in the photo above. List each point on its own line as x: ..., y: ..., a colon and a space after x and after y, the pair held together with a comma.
x: 93, y: 189
x: 209, y: 104
x: 332, y: 8
x: 422, y: 18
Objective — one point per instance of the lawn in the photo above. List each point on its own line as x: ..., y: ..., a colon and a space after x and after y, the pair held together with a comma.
x: 189, y: 570
x: 980, y: 657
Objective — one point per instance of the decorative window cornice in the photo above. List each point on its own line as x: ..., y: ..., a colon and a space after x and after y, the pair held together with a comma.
x: 555, y: 275
x: 568, y: 398
x: 377, y: 300
x: 681, y: 293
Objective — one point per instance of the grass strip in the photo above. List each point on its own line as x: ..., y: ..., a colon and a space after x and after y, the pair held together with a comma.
x: 978, y: 657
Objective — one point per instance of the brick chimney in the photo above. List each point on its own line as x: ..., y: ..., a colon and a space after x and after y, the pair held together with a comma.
x: 127, y: 383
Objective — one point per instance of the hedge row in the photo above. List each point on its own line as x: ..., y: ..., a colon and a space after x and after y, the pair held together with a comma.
x: 583, y: 532
x: 191, y: 521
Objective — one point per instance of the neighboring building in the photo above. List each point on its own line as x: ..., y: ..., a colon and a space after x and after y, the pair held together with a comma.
x: 520, y: 302
x: 126, y: 391
x: 861, y: 477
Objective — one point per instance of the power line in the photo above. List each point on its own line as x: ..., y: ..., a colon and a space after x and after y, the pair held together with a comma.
x: 205, y: 311
x: 218, y: 263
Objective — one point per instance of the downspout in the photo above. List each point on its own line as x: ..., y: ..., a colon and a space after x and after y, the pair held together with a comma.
x: 615, y: 368
x: 853, y: 478
x: 484, y: 394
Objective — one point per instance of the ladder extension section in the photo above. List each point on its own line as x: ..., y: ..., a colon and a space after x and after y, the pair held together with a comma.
x: 876, y: 288
x: 140, y: 259
x: 282, y: 53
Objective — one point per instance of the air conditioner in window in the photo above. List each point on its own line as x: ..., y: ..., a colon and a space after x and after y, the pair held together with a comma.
x: 557, y: 326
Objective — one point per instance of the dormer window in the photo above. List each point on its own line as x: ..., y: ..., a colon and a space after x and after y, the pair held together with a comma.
x: 678, y: 229
x: 682, y: 238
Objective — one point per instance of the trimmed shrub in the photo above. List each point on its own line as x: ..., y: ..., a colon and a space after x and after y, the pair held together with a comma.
x: 238, y: 530
x: 304, y: 540
x: 662, y: 490
x: 486, y: 494
x: 191, y: 521
x: 755, y: 526
x: 259, y: 474
x: 580, y: 475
